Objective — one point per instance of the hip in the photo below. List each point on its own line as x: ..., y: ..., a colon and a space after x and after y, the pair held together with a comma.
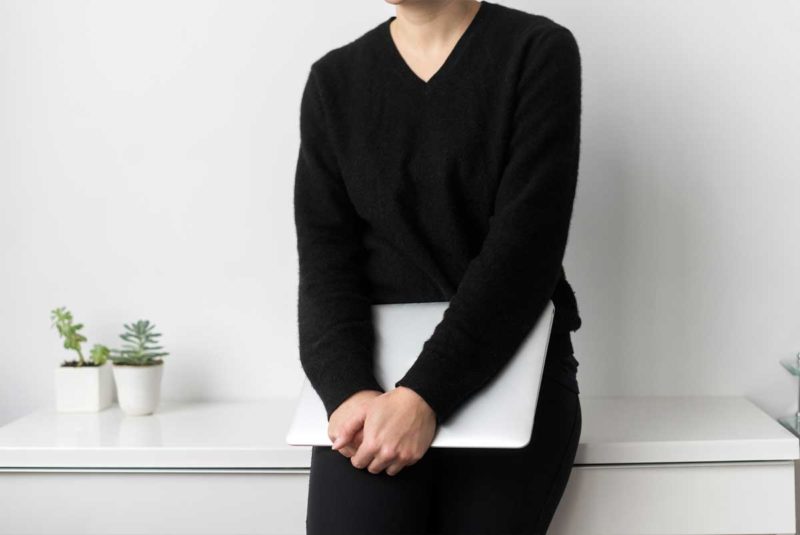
x: 560, y: 365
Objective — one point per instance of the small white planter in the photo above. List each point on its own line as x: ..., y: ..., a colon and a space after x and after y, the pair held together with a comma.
x: 84, y: 388
x: 138, y: 387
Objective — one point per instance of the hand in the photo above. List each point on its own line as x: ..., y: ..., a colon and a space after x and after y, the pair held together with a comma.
x: 346, y: 422
x: 398, y: 429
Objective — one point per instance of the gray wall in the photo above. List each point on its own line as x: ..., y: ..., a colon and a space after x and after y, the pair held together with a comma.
x: 147, y: 152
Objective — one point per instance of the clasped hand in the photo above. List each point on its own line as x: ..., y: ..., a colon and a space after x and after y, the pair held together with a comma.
x: 383, y: 430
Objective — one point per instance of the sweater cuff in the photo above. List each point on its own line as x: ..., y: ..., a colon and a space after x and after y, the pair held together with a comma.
x: 346, y: 382
x: 437, y: 395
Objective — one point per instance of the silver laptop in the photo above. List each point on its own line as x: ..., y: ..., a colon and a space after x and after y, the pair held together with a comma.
x: 499, y: 415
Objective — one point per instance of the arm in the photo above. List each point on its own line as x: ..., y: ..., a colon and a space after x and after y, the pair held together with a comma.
x: 334, y: 311
x: 507, y: 285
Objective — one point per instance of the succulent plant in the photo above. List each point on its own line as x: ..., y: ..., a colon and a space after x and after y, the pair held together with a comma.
x: 100, y: 354
x: 69, y: 331
x: 141, y: 347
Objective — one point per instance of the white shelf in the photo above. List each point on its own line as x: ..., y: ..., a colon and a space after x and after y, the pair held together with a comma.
x: 249, y: 435
x: 180, y: 434
x: 669, y: 429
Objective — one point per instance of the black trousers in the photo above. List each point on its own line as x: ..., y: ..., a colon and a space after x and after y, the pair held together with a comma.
x: 455, y: 490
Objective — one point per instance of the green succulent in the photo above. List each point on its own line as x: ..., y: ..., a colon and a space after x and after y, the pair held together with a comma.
x: 141, y: 347
x: 100, y: 354
x: 70, y: 332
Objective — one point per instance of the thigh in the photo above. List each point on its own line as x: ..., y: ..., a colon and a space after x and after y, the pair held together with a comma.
x: 343, y: 499
x: 510, y: 491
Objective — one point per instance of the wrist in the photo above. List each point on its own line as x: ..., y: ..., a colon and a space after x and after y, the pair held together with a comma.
x: 413, y: 394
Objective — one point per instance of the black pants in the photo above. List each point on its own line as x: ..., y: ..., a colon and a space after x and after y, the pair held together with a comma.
x: 454, y: 490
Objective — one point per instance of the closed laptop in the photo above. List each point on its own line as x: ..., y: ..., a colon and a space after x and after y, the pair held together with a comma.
x: 499, y: 415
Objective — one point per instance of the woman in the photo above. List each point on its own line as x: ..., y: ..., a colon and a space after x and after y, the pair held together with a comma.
x: 438, y: 161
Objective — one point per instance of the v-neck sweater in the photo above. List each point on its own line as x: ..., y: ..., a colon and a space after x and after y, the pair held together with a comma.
x: 457, y: 189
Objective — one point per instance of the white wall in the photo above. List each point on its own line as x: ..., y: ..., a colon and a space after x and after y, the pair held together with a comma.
x: 147, y: 153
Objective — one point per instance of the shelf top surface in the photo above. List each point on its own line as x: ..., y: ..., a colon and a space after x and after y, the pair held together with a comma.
x: 251, y: 434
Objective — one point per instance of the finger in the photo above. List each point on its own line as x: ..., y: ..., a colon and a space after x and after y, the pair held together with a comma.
x: 358, y: 438
x: 398, y: 463
x: 349, y: 449
x: 342, y: 438
x: 346, y: 432
x: 394, y: 468
x: 365, y: 454
x: 380, y: 462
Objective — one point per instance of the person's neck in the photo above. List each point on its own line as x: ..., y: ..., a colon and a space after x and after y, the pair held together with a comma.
x: 433, y: 24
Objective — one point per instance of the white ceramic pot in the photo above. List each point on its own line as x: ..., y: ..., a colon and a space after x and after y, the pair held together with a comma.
x: 138, y: 387
x: 84, y: 388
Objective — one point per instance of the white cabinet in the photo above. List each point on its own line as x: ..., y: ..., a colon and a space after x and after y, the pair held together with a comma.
x: 645, y: 465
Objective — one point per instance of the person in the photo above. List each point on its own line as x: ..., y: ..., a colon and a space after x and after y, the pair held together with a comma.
x: 438, y: 161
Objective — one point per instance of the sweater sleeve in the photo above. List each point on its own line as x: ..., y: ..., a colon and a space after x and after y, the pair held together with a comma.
x: 507, y: 285
x: 335, y: 327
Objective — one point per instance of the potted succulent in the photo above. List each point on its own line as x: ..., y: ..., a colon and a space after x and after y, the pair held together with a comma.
x: 82, y: 385
x: 138, y: 369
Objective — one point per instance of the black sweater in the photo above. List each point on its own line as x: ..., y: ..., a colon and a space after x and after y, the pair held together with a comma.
x: 458, y: 189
